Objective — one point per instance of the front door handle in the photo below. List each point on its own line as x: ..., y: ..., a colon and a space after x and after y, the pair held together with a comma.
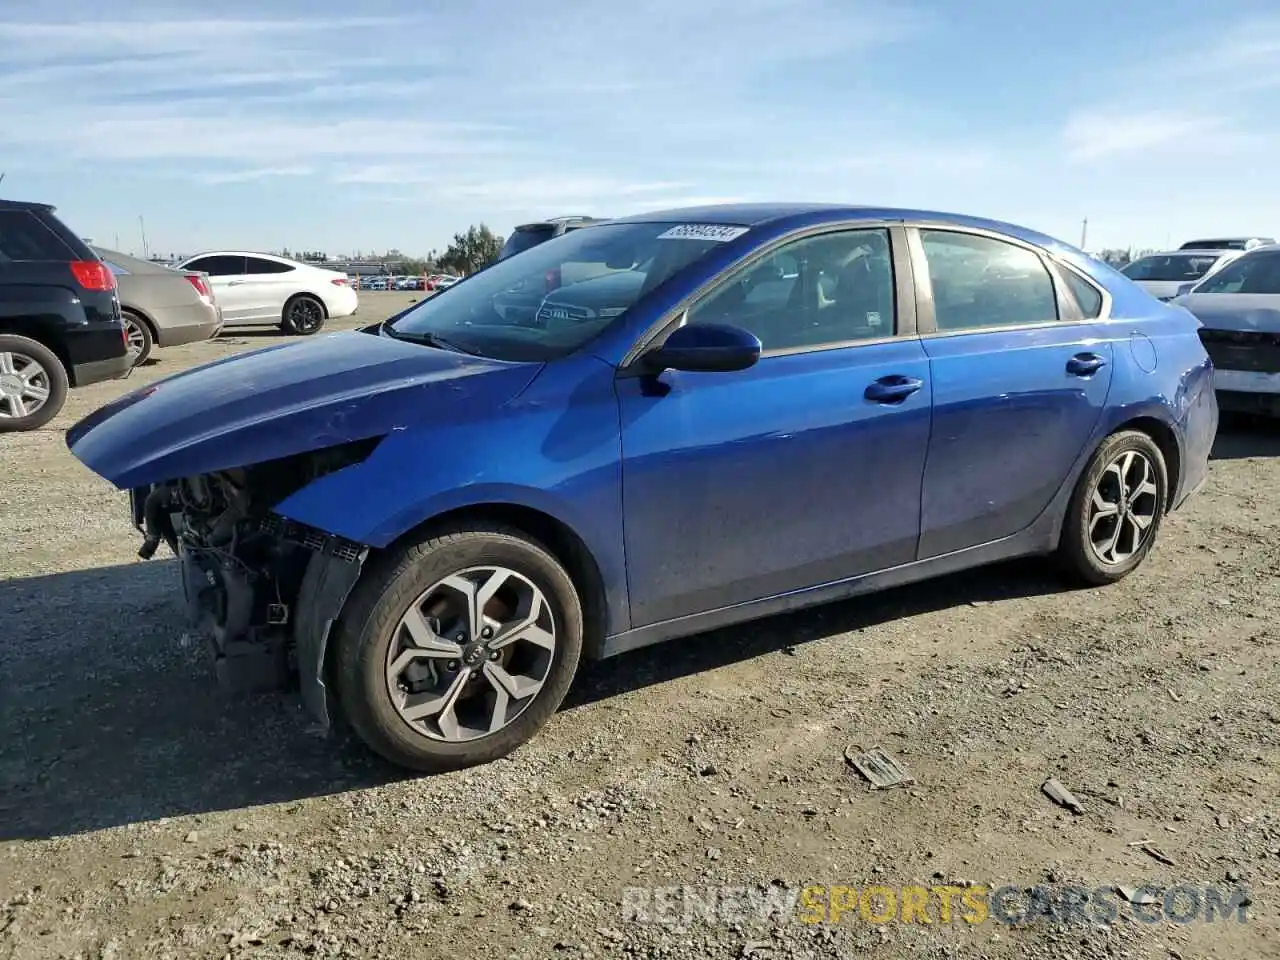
x: 892, y: 389
x: 1085, y: 364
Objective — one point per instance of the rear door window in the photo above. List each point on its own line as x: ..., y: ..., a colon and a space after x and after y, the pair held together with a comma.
x: 982, y: 282
x: 23, y: 236
x: 256, y: 266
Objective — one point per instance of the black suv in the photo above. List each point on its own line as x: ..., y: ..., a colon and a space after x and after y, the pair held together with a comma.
x: 60, y: 320
x: 531, y: 234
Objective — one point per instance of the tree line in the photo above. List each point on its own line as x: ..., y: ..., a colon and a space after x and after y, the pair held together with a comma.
x: 473, y: 248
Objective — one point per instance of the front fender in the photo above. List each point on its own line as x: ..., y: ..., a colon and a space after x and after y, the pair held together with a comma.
x: 556, y: 450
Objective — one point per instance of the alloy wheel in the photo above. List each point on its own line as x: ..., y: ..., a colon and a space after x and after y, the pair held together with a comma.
x: 306, y: 315
x: 25, y: 385
x: 471, y: 654
x: 135, y: 337
x: 1122, y: 509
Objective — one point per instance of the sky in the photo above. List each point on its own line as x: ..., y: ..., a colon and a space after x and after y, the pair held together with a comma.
x: 345, y: 126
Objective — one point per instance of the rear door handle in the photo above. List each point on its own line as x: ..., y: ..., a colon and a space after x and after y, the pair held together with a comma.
x: 1085, y: 364
x: 892, y: 389
x: 234, y: 283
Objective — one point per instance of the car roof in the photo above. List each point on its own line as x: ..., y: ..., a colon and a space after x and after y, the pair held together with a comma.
x: 1196, y: 252
x: 1264, y: 248
x: 32, y: 205
x: 758, y: 214
x: 247, y: 253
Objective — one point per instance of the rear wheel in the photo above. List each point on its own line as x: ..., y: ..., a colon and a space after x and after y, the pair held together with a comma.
x: 33, y: 384
x: 303, y: 315
x: 1116, y: 509
x: 139, y: 337
x: 456, y: 650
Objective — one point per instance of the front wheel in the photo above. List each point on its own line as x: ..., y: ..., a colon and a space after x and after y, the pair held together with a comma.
x: 1116, y: 509
x: 455, y: 650
x: 303, y: 315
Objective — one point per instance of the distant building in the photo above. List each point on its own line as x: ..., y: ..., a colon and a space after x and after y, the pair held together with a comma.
x: 365, y: 268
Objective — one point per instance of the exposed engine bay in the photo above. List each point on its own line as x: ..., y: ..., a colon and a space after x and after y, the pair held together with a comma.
x: 262, y: 589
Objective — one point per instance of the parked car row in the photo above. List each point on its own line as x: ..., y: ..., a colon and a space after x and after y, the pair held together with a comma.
x: 72, y: 314
x: 434, y: 281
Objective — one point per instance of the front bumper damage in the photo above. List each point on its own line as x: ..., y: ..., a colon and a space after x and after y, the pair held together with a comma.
x: 258, y: 647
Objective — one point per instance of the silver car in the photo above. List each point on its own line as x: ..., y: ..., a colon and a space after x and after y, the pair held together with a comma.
x: 1164, y: 275
x: 1228, y: 243
x: 1239, y: 310
x: 161, y: 306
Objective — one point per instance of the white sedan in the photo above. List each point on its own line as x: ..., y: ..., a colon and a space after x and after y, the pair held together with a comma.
x: 261, y: 289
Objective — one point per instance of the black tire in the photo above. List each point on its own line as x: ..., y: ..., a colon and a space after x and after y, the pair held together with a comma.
x: 364, y: 632
x: 303, y: 315
x: 54, y: 375
x: 1076, y: 549
x: 140, y: 334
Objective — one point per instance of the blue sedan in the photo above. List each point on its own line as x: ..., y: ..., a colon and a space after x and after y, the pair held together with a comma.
x: 664, y: 424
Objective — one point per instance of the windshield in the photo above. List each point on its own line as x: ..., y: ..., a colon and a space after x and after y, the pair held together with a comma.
x: 1252, y: 273
x: 559, y: 295
x: 1182, y: 269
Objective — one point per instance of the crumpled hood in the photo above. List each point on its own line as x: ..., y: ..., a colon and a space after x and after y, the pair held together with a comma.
x: 287, y: 400
x: 1235, y: 311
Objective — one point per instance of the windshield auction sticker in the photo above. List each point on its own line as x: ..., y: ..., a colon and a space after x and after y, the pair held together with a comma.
x: 703, y: 231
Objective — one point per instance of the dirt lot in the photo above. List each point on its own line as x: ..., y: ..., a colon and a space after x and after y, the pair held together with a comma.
x: 143, y: 814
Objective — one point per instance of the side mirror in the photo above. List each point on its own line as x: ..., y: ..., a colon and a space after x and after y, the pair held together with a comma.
x: 1184, y: 289
x: 705, y: 348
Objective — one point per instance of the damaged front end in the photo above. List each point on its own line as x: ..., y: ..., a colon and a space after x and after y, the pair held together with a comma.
x: 263, y: 589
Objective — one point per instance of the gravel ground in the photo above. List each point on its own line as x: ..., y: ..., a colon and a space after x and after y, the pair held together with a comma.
x: 143, y: 813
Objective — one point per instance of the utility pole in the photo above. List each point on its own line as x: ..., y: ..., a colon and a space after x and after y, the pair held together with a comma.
x: 1084, y: 233
x: 117, y: 239
x: 142, y: 228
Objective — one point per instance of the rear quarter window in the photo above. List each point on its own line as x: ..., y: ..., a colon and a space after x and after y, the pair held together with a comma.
x: 24, y: 236
x: 1088, y: 299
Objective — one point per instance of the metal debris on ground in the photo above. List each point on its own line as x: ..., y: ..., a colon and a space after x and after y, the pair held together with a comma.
x: 1060, y: 795
x: 880, y: 769
x: 1156, y: 853
x: 1138, y: 895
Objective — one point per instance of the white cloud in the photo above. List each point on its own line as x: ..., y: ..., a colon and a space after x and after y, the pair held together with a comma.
x: 1102, y: 134
x: 1219, y: 78
x: 248, y: 176
x: 1216, y: 59
x: 571, y: 103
